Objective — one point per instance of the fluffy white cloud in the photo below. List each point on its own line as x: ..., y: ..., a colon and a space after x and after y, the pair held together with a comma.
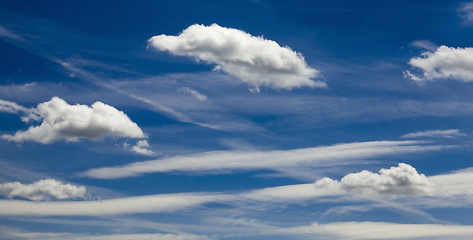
x: 61, y: 120
x: 280, y: 161
x: 42, y: 190
x: 255, y: 60
x: 445, y: 62
x: 401, y: 180
x: 141, y: 147
x: 450, y: 133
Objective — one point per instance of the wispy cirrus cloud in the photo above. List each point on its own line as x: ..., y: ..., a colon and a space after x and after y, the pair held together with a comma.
x: 192, y: 92
x: 465, y: 12
x: 15, y: 233
x: 71, y: 122
x: 12, y: 107
x: 255, y: 60
x: 450, y: 133
x: 218, y: 161
x: 382, y: 230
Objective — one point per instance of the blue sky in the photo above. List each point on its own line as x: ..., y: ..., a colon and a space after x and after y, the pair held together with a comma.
x: 236, y: 120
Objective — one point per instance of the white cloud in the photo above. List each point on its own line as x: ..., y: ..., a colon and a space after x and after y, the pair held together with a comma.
x: 425, y: 44
x: 142, y: 204
x: 194, y: 93
x: 275, y: 160
x: 141, y: 147
x: 382, y: 230
x: 254, y: 60
x: 61, y: 120
x: 42, y: 190
x: 444, y: 63
x: 8, y: 34
x: 12, y: 233
x: 450, y: 133
x: 11, y: 107
x: 466, y: 12
x: 401, y: 180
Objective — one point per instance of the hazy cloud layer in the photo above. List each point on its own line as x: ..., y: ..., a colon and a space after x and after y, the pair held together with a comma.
x: 141, y: 147
x: 42, y: 190
x: 401, y: 180
x: 275, y: 160
x: 450, y: 133
x: 444, y: 63
x: 61, y: 120
x: 255, y: 60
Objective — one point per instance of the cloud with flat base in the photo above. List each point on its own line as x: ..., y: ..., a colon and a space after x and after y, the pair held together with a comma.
x: 254, y: 60
x: 72, y: 122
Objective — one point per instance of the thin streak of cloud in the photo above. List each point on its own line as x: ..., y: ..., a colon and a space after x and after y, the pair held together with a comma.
x: 450, y: 133
x: 274, y: 160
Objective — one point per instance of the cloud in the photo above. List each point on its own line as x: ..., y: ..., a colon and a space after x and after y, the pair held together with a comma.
x: 8, y: 34
x: 425, y: 44
x: 194, y: 93
x: 401, y: 180
x: 71, y: 122
x: 254, y: 60
x: 141, y: 147
x: 14, y: 233
x: 142, y: 204
x: 444, y: 63
x: 382, y: 230
x: 450, y: 133
x: 11, y: 107
x: 465, y: 12
x: 218, y: 161
x: 42, y: 190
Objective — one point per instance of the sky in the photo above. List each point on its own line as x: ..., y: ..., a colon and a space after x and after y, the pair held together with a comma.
x: 242, y: 119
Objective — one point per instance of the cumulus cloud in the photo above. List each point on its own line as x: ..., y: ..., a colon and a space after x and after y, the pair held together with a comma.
x: 443, y: 63
x: 254, y: 60
x: 71, y: 122
x: 401, y: 180
x: 450, y: 133
x: 141, y: 147
x: 194, y: 93
x: 42, y: 190
x: 281, y: 161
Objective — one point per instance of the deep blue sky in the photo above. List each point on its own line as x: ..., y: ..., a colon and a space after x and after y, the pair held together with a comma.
x: 210, y: 133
